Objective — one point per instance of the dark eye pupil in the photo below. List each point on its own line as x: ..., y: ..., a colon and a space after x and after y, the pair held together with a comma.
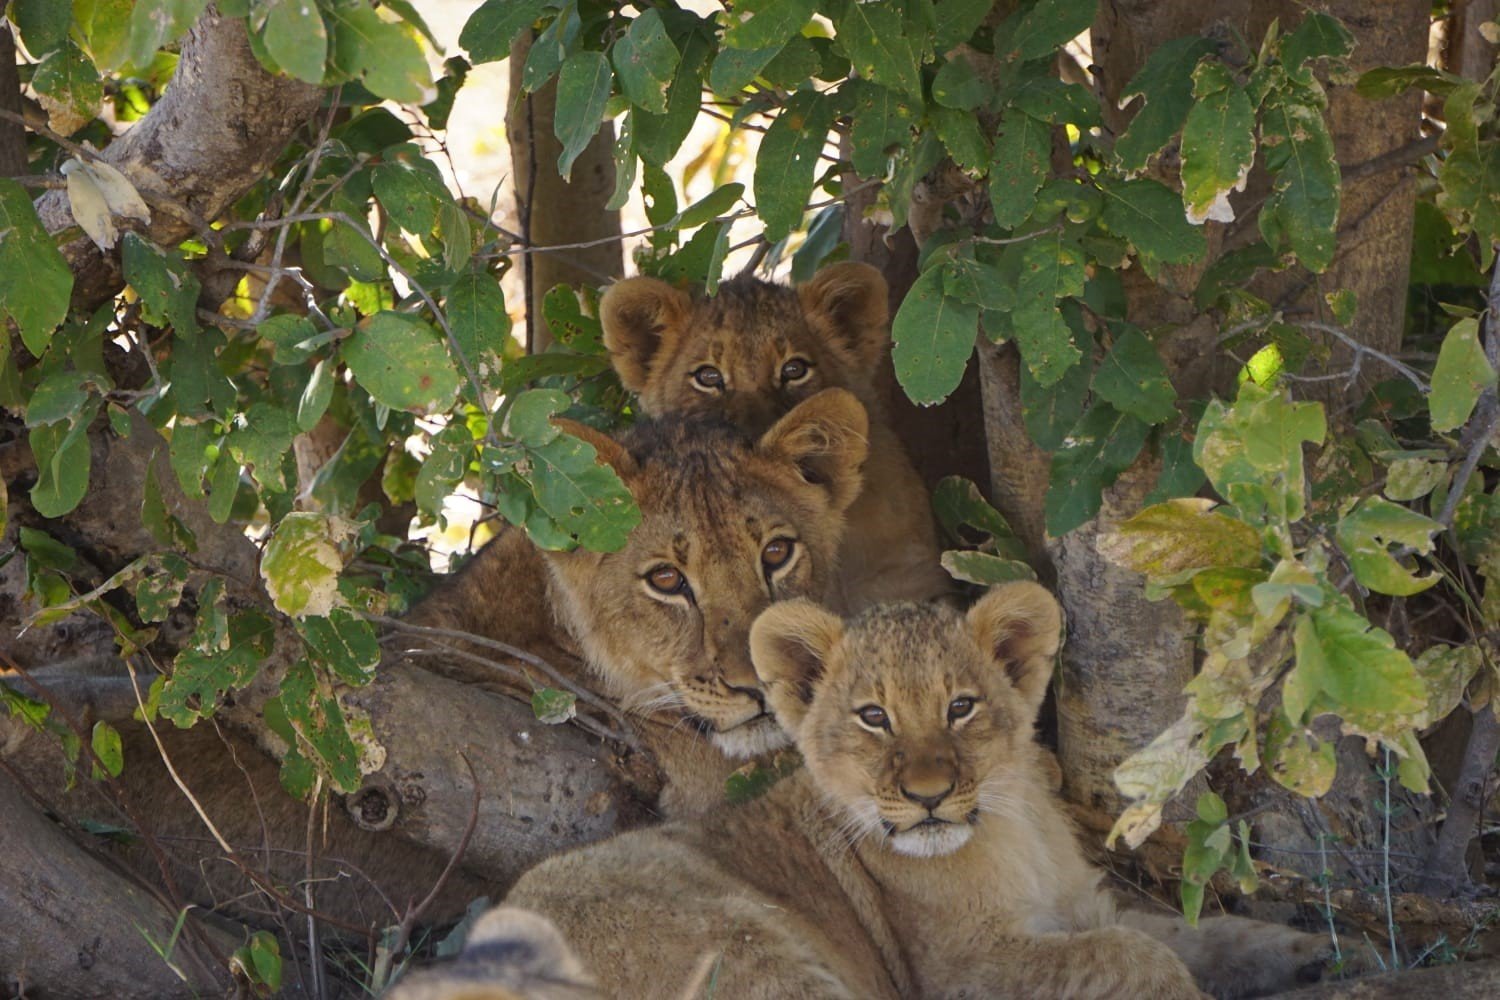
x: 794, y: 369
x: 873, y: 715
x: 960, y: 707
x: 776, y: 553
x: 708, y: 376
x: 666, y: 580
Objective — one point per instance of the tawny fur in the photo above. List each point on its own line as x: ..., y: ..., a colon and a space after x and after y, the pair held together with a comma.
x: 841, y: 882
x: 711, y: 498
x: 511, y: 954
x: 658, y: 337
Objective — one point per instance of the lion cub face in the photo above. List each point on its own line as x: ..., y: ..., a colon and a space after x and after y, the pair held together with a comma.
x: 915, y: 721
x: 730, y: 523
x: 754, y: 350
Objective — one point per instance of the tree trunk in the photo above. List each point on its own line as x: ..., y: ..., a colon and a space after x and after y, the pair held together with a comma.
x: 12, y: 136
x: 213, y: 134
x: 554, y: 212
x: 75, y: 927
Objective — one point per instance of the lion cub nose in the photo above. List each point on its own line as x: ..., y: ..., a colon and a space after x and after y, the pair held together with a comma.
x: 927, y: 791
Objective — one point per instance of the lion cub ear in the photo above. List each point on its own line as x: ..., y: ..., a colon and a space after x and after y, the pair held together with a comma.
x: 826, y: 436
x: 789, y: 645
x: 1019, y: 627
x: 637, y: 315
x: 610, y: 451
x: 849, y: 302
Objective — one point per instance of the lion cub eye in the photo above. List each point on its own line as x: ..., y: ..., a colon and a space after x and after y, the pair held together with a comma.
x: 708, y: 377
x: 960, y: 708
x: 873, y: 717
x: 777, y: 553
x: 667, y: 580
x: 795, y: 370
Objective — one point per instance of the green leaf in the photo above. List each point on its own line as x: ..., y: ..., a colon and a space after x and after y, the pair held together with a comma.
x: 343, y: 643
x: 1218, y: 145
x: 301, y: 563
x: 985, y: 569
x: 585, y: 498
x: 873, y: 35
x: 551, y: 706
x: 1469, y: 194
x: 1133, y: 379
x: 68, y: 85
x: 225, y: 654
x: 109, y: 751
x: 387, y: 55
x: 657, y: 138
x: 491, y: 30
x: 1348, y: 667
x: 1103, y: 444
x: 1164, y: 83
x: 297, y: 38
x: 35, y: 281
x: 154, y: 23
x: 321, y: 726
x: 1051, y: 411
x: 59, y: 396
x: 401, y: 362
x: 1388, y: 81
x: 479, y: 321
x: 734, y: 69
x: 881, y: 122
x: 62, y: 455
x: 261, y: 438
x: 1050, y: 100
x: 583, y: 86
x: 164, y: 526
x: 1180, y: 476
x: 42, y: 24
x: 410, y: 188
x: 1050, y: 270
x: 645, y: 61
x: 1366, y: 534
x: 710, y: 207
x: 316, y: 396
x: 962, y: 137
x: 958, y: 86
x: 1149, y: 215
x: 159, y: 592
x: 1318, y: 36
x: 786, y: 166
x: 756, y: 24
x: 1461, y: 375
x: 1049, y: 25
x: 1018, y: 167
x: 958, y: 504
x: 1173, y: 541
x: 957, y: 20
x: 1252, y: 451
x: 105, y: 29
x: 168, y: 291
x: 934, y: 336
x: 1302, y: 211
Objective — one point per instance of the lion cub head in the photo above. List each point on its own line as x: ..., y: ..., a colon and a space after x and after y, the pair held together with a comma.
x: 730, y: 523
x: 915, y: 720
x: 755, y: 349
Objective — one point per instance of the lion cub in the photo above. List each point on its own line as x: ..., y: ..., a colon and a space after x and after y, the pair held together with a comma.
x: 729, y: 524
x: 754, y: 351
x: 918, y: 854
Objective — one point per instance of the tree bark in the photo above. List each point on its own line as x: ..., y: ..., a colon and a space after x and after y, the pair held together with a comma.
x: 12, y: 136
x: 555, y: 212
x: 214, y: 133
x: 76, y: 928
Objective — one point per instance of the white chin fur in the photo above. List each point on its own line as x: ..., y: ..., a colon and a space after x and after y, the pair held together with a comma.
x: 752, y: 739
x: 931, y: 841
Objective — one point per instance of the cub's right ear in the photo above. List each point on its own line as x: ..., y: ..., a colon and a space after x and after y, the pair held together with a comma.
x: 638, y: 315
x: 1018, y: 626
x: 789, y: 645
x: 826, y: 436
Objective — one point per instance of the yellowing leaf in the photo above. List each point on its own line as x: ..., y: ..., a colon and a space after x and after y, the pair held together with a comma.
x: 1366, y: 534
x: 1174, y: 540
x: 301, y: 563
x: 97, y: 194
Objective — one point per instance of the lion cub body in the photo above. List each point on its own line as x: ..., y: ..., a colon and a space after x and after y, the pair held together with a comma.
x: 755, y: 350
x: 920, y: 853
x: 729, y: 524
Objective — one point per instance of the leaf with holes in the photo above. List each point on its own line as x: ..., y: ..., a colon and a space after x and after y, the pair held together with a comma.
x: 1348, y: 667
x: 320, y: 724
x: 1301, y: 215
x: 874, y: 37
x: 583, y: 86
x: 1316, y: 37
x: 1218, y: 144
x: 645, y: 61
x: 343, y: 643
x: 1165, y: 85
x: 1366, y: 535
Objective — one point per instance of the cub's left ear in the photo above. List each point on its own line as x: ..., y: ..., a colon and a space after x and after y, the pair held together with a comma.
x: 1019, y: 627
x: 847, y: 303
x: 639, y: 316
x: 789, y: 645
x: 826, y: 436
